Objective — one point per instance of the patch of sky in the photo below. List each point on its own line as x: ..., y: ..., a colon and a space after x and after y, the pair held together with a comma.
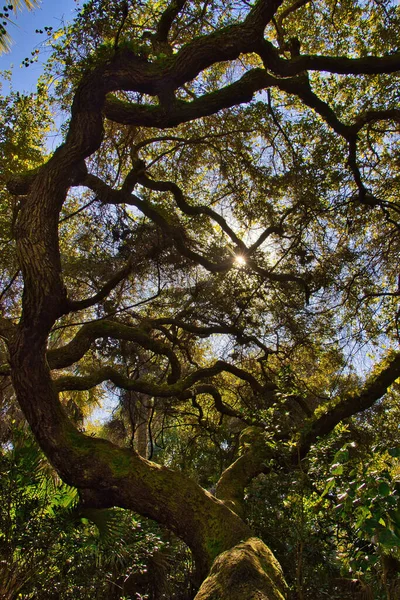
x: 26, y: 40
x: 105, y: 409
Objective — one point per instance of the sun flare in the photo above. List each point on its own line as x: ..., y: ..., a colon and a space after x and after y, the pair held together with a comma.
x: 240, y: 260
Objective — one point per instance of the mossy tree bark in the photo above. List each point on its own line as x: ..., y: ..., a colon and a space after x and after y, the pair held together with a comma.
x: 105, y: 474
x: 248, y: 570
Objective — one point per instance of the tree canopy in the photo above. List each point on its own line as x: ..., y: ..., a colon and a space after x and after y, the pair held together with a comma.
x: 215, y: 245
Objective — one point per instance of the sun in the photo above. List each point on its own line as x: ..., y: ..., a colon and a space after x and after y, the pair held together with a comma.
x: 240, y: 260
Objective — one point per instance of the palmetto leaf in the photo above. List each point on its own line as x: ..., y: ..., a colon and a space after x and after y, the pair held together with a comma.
x: 110, y: 548
x: 108, y: 523
x: 5, y: 38
x: 19, y: 4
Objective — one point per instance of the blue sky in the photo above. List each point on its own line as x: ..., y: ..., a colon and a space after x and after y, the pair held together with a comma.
x: 50, y: 13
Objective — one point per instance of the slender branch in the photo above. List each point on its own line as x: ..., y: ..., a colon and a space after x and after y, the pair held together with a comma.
x: 291, y: 9
x: 219, y: 404
x: 364, y: 196
x: 279, y: 277
x: 177, y: 232
x: 185, y: 207
x: 74, y: 305
x: 208, y: 330
x: 278, y: 229
x: 125, y: 12
x: 174, y: 230
x: 9, y: 284
x: 79, y: 210
x: 198, y: 139
x: 167, y: 18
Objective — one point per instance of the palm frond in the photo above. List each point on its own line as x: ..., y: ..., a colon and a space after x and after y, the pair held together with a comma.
x: 20, y: 4
x: 5, y: 41
x: 5, y: 38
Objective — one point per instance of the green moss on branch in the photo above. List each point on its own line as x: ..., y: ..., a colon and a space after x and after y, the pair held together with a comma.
x: 248, y: 571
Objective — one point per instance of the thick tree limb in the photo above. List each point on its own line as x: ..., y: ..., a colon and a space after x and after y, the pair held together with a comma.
x: 341, y: 65
x: 371, y: 116
x: 178, y: 112
x: 240, y: 92
x: 367, y: 65
x: 249, y: 571
x: 256, y: 450
x: 354, y: 403
x: 111, y: 476
x: 77, y: 348
x: 145, y: 386
x: 126, y: 71
x: 260, y: 15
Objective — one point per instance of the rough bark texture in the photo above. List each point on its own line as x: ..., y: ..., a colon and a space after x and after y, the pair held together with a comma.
x: 105, y: 474
x: 108, y: 475
x: 254, y: 451
x: 249, y: 571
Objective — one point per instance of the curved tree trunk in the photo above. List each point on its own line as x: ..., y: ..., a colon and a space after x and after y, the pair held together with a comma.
x: 107, y: 475
x: 248, y: 571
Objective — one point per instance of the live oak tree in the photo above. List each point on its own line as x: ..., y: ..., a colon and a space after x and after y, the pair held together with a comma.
x: 217, y: 238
